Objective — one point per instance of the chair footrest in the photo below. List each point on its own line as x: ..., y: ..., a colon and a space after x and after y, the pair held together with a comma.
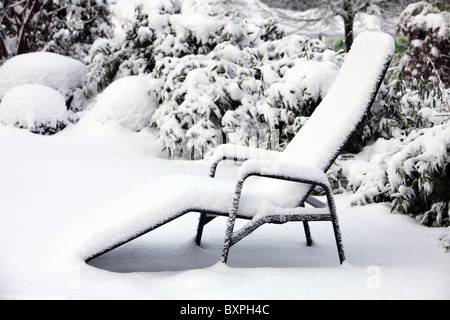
x: 298, y: 214
x: 288, y: 215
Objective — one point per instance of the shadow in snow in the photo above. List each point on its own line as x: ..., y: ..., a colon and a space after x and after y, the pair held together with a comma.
x: 273, y: 246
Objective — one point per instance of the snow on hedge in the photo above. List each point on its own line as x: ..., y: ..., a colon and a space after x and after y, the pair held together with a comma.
x: 428, y: 30
x: 411, y: 172
x: 224, y: 77
x: 214, y: 73
x: 37, y: 108
x: 238, y: 91
x: 49, y: 69
x: 128, y: 101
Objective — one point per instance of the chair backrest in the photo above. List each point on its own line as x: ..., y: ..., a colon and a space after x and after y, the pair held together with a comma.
x: 343, y: 109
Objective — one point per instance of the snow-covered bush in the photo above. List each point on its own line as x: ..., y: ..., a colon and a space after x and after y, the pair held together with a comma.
x: 38, y: 108
x: 246, y: 95
x: 161, y: 30
x: 421, y: 104
x: 66, y: 27
x: 408, y: 162
x: 84, y: 22
x: 216, y: 75
x: 293, y: 91
x: 413, y: 174
x: 402, y: 107
x: 428, y: 30
x: 128, y: 101
x: 197, y: 92
x: 64, y: 74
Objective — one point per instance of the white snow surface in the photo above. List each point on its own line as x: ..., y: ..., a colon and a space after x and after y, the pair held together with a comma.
x: 49, y: 181
x: 146, y: 208
x: 128, y: 101
x: 51, y: 184
x: 32, y: 105
x: 49, y: 69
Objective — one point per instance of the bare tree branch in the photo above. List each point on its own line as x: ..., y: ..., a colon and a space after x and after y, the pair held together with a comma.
x: 24, y: 26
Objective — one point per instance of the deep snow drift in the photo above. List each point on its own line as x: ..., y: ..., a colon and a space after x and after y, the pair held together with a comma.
x: 49, y: 181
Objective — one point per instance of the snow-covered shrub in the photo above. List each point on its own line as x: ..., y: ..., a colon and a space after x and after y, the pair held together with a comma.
x: 421, y: 104
x: 161, y: 30
x: 84, y: 22
x: 234, y: 93
x: 410, y: 100
x: 197, y: 92
x: 413, y: 174
x: 295, y: 90
x: 215, y: 75
x: 128, y: 101
x: 401, y: 107
x: 64, y: 74
x: 408, y: 164
x: 38, y: 108
x: 66, y: 27
x: 428, y: 30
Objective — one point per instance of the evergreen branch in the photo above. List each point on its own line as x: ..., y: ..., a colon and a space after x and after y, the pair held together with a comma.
x: 441, y: 85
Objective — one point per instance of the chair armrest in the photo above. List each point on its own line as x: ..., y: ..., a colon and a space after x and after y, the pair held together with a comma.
x: 276, y: 170
x: 283, y: 171
x: 238, y: 153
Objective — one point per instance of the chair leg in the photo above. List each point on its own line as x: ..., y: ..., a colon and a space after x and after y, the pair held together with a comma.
x: 201, y: 224
x: 338, y: 237
x: 309, y: 240
x: 334, y: 221
x: 307, y: 231
x: 203, y: 220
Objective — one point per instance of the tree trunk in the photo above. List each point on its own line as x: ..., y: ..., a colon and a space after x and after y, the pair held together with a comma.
x: 348, y: 25
x: 3, y: 50
x: 349, y: 17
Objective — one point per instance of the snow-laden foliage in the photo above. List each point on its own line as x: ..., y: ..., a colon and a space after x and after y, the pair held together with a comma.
x: 66, y: 27
x: 428, y: 30
x: 413, y: 174
x: 127, y: 102
x: 245, y: 96
x: 161, y: 30
x: 38, y: 108
x: 64, y: 74
x: 402, y: 107
x: 220, y: 78
x: 408, y: 165
x: 225, y: 78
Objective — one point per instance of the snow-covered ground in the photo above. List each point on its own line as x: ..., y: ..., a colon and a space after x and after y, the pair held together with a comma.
x: 47, y: 181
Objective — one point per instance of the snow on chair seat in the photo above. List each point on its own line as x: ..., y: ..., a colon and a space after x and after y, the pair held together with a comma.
x: 285, y: 181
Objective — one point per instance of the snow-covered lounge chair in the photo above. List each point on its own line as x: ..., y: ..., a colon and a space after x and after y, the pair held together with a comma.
x: 285, y: 180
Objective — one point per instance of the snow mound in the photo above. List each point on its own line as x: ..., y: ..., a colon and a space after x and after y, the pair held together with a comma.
x: 37, y: 108
x: 128, y: 101
x: 49, y: 69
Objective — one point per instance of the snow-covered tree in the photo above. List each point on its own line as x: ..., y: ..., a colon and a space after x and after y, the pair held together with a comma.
x: 325, y: 11
x: 347, y: 10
